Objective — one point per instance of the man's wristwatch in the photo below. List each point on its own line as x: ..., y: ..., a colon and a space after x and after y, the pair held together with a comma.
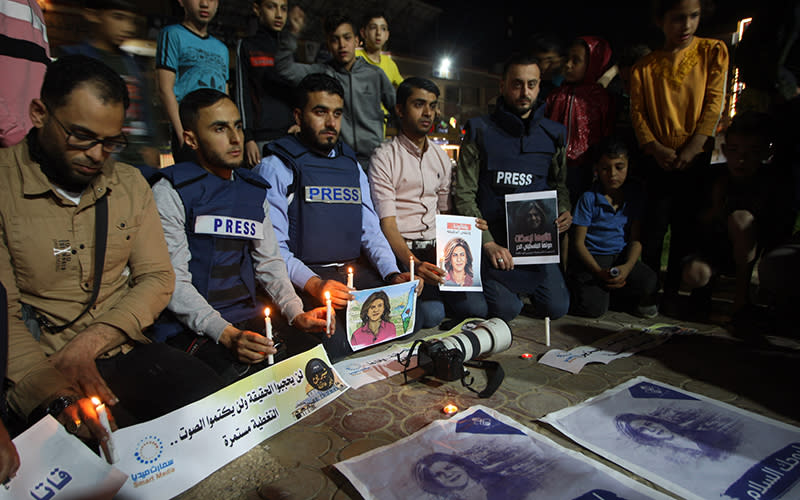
x: 54, y: 408
x: 390, y: 277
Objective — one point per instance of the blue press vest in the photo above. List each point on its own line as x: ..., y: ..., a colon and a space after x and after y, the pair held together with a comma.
x: 325, y: 212
x: 221, y: 265
x: 513, y: 160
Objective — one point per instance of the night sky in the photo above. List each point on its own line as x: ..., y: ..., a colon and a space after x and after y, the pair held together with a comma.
x: 477, y: 33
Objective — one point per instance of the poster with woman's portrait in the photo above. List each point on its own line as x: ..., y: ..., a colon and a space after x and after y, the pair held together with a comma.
x: 531, y: 227
x: 480, y: 454
x: 693, y: 446
x: 458, y: 252
x: 378, y: 315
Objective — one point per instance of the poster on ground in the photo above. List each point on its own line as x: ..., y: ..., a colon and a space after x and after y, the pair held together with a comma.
x: 378, y: 315
x: 482, y: 454
x: 56, y: 464
x: 167, y: 455
x: 458, y: 253
x: 531, y: 227
x: 692, y: 445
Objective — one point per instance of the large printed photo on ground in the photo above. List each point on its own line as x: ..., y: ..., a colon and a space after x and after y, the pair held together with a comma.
x: 694, y: 446
x: 480, y: 454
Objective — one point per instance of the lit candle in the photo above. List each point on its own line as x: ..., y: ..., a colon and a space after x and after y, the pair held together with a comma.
x: 449, y: 409
x: 329, y: 312
x: 547, y: 331
x: 102, y: 415
x: 268, y: 331
x: 349, y: 277
x: 411, y: 267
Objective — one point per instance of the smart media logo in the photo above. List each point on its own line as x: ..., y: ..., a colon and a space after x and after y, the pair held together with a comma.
x: 148, y: 453
x: 149, y: 450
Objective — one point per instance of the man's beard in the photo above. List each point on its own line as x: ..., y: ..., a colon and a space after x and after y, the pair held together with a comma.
x: 217, y: 161
x: 315, y: 142
x: 57, y: 170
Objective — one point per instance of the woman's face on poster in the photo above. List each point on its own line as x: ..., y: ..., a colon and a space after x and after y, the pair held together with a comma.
x: 651, y: 429
x: 449, y: 475
x: 459, y: 259
x: 536, y: 217
x: 375, y: 310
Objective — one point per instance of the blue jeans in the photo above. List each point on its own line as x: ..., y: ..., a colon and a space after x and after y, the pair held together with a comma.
x: 549, y: 295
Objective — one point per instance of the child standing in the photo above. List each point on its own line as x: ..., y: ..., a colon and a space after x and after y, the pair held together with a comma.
x: 375, y: 34
x: 677, y: 94
x: 607, y: 223
x: 113, y: 22
x: 583, y: 106
x: 264, y: 98
x: 187, y: 59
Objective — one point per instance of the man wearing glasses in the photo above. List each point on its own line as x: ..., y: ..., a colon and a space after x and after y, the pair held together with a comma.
x: 83, y: 257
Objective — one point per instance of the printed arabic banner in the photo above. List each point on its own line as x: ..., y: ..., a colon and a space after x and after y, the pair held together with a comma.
x: 692, y: 445
x: 531, y: 227
x: 167, y: 455
x: 482, y: 454
x: 378, y: 315
x: 458, y: 252
x: 55, y: 464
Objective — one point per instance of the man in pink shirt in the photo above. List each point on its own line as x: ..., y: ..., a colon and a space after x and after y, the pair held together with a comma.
x: 409, y: 179
x: 24, y: 60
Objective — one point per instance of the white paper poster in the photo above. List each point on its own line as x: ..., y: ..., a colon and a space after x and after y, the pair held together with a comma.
x: 531, y: 227
x: 694, y: 446
x: 165, y: 456
x: 55, y: 464
x: 458, y: 252
x: 378, y: 315
x: 482, y: 454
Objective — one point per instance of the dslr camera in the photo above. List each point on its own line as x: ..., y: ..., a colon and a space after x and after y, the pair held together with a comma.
x: 446, y: 358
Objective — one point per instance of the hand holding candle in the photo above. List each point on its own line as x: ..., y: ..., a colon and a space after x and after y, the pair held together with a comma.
x: 268, y: 333
x: 328, y: 313
x: 102, y: 416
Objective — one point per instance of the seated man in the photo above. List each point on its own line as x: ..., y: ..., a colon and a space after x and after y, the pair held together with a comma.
x: 321, y: 235
x: 85, y: 264
x: 409, y: 178
x: 220, y: 238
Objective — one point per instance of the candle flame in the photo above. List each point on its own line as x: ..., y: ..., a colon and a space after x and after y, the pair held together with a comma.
x: 266, y: 312
x: 327, y: 295
x: 350, y: 270
x: 450, y: 409
x: 96, y: 401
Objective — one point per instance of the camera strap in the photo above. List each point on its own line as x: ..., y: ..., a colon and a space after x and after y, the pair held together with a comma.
x: 495, y: 375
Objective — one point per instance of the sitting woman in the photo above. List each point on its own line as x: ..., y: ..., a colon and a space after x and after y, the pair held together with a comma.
x: 458, y: 263
x: 375, y: 318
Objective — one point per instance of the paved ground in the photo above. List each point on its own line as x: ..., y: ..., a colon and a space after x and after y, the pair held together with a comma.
x: 295, y: 464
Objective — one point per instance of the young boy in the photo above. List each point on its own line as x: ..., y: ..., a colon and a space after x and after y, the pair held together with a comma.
x: 188, y: 58
x: 583, y: 106
x: 375, y: 35
x: 749, y: 211
x: 264, y: 98
x: 113, y: 22
x: 547, y: 48
x: 606, y: 241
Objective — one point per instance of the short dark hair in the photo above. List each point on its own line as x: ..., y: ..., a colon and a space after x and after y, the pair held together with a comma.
x: 196, y: 100
x: 370, y: 15
x: 612, y: 147
x: 316, y: 82
x: 337, y: 19
x: 67, y: 73
x: 112, y: 5
x: 661, y: 7
x: 411, y: 83
x: 752, y: 124
x: 519, y: 59
x: 545, y: 42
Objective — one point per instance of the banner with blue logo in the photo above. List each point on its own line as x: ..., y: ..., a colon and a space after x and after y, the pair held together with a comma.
x: 482, y: 454
x: 692, y: 445
x: 170, y: 454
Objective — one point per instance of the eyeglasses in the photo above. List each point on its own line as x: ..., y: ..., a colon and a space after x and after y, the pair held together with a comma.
x: 85, y: 142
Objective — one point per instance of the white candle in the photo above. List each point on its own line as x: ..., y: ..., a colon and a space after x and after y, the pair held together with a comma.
x: 102, y: 415
x: 547, y: 331
x: 329, y: 312
x: 268, y: 331
x: 349, y: 277
x: 411, y: 267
